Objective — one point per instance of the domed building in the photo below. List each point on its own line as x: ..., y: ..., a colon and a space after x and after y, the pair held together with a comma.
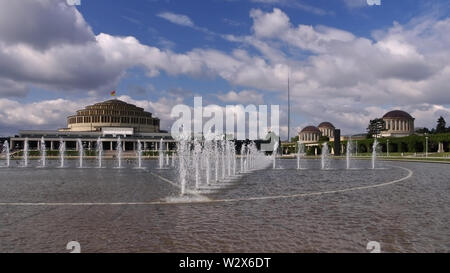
x: 112, y: 113
x: 327, y: 129
x: 107, y: 122
x: 398, y: 124
x: 309, y: 134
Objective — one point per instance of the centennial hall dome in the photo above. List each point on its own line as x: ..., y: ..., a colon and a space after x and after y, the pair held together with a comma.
x: 113, y: 113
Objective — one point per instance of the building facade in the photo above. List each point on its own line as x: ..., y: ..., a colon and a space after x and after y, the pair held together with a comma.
x: 312, y: 134
x: 110, y: 122
x: 398, y: 124
x: 112, y: 113
x: 327, y: 129
x: 309, y: 134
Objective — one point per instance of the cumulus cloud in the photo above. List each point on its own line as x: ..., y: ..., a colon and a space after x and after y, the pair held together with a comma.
x: 353, y: 79
x: 52, y: 114
x: 32, y: 23
x: 46, y: 114
x: 160, y: 108
x: 9, y: 88
x: 269, y: 24
x: 338, y: 77
x: 244, y: 97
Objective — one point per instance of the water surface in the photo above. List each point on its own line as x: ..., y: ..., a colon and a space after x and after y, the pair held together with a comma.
x: 409, y: 216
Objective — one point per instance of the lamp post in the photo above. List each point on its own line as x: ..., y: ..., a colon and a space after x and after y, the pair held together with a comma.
x: 426, y: 146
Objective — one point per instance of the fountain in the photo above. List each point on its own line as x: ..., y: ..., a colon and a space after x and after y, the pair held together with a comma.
x: 374, y: 153
x: 233, y: 157
x: 274, y: 154
x: 167, y: 159
x: 207, y: 154
x: 251, y: 156
x: 197, y: 155
x: 99, y: 149
x: 161, y: 154
x: 119, y: 152
x: 223, y: 147
x: 247, y: 160
x: 25, y: 152
x: 349, y: 152
x: 325, y: 156
x: 6, y: 152
x: 196, y: 159
x: 43, y: 152
x: 173, y: 160
x: 80, y: 152
x: 301, y: 149
x: 139, y: 153
x: 228, y: 156
x: 242, y: 158
x: 183, y: 155
x: 216, y: 152
x: 62, y: 151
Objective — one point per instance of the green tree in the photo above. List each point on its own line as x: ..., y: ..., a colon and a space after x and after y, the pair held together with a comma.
x: 440, y: 127
x: 376, y: 126
x: 423, y: 131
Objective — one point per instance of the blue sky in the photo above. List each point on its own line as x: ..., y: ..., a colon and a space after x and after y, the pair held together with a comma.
x: 349, y: 62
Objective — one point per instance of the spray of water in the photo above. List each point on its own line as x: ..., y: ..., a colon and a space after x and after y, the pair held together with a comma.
x: 43, y: 152
x: 161, y: 154
x: 62, y: 151
x: 25, y: 152
x: 274, y: 154
x: 349, y: 152
x: 300, y: 152
x: 212, y: 156
x: 374, y: 153
x: 325, y: 157
x: 99, y: 149
x: 183, y: 158
x: 242, y: 158
x: 6, y: 152
x: 139, y: 153
x: 197, y: 160
x: 80, y: 153
x: 119, y: 151
x: 216, y: 153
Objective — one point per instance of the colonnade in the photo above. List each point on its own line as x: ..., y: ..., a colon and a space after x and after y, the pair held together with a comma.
x: 91, y: 144
x: 329, y: 132
x: 399, y: 125
x: 309, y: 136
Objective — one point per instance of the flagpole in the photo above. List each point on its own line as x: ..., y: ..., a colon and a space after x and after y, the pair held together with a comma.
x: 289, y: 108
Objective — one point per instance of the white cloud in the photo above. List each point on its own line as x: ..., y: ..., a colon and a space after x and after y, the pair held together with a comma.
x: 42, y: 24
x: 339, y: 77
x: 52, y: 114
x: 178, y: 19
x: 355, y: 3
x: 184, y: 20
x: 295, y: 4
x: 269, y: 24
x: 46, y: 114
x: 243, y: 97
